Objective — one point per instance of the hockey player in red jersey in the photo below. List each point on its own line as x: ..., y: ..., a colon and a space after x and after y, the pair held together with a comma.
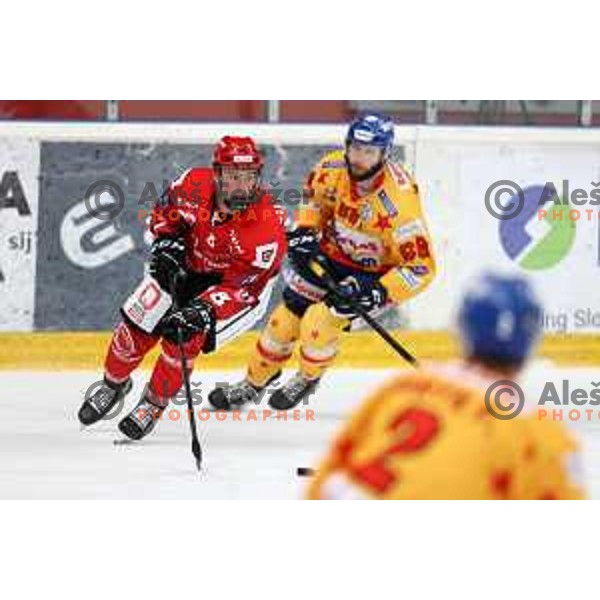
x: 219, y: 243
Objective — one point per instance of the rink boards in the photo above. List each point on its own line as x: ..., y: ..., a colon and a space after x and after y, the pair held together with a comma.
x: 361, y: 349
x: 63, y: 268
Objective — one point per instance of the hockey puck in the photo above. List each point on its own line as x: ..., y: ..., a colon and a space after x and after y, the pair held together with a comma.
x: 305, y: 472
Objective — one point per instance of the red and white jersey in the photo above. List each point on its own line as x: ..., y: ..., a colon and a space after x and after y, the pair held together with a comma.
x: 246, y: 249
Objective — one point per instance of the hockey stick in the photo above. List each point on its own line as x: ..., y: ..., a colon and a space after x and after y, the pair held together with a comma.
x: 321, y: 271
x: 196, y: 448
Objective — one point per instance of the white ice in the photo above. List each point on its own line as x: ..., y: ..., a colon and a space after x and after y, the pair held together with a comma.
x: 45, y: 454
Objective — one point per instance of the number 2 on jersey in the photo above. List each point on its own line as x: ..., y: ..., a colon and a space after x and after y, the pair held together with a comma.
x: 414, y: 429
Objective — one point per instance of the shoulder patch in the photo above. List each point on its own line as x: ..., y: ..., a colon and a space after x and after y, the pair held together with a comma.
x: 388, y: 205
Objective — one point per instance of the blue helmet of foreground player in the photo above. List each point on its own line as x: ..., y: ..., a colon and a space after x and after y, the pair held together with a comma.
x: 500, y: 320
x: 372, y: 129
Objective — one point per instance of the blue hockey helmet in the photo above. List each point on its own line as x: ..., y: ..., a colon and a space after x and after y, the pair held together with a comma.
x: 372, y: 129
x: 500, y: 320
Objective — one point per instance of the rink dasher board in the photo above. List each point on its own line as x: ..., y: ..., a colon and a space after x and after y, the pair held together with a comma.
x: 86, y: 350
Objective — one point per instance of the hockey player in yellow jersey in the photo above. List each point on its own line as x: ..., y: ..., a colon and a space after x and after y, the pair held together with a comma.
x: 364, y: 222
x: 430, y: 435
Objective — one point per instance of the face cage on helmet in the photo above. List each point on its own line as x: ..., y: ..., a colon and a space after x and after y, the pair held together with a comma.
x: 253, y: 196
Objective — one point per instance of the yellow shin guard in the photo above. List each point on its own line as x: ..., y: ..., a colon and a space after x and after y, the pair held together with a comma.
x: 320, y: 332
x: 275, y: 346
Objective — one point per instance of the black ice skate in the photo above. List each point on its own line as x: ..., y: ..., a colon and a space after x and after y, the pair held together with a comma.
x: 102, y: 400
x: 293, y: 392
x: 141, y: 420
x: 231, y: 396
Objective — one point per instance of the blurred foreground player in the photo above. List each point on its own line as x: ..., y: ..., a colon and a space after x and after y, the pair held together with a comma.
x: 364, y: 223
x: 219, y: 242
x: 429, y: 435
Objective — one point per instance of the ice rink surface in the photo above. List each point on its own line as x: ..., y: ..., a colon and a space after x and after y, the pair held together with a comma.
x: 45, y: 454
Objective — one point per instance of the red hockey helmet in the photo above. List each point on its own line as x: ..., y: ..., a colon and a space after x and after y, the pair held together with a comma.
x: 237, y: 152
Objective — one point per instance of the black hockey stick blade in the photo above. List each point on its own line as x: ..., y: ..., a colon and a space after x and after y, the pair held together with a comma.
x: 197, y: 452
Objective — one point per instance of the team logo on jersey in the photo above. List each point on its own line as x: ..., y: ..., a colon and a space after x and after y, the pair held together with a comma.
x: 359, y: 247
x: 265, y: 255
